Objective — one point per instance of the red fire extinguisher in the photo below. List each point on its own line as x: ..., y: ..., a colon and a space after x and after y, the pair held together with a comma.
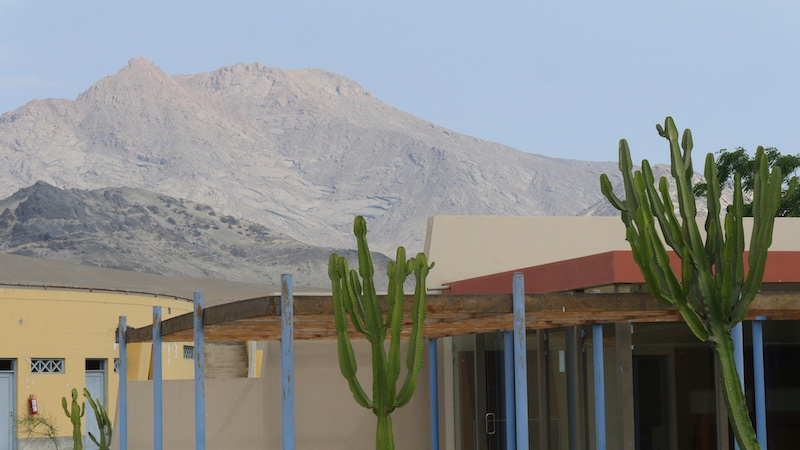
x: 33, y: 405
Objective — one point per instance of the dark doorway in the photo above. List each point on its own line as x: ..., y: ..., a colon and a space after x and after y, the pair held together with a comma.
x: 651, y: 402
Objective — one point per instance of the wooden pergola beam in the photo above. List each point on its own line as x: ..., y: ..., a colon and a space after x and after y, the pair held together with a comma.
x: 447, y: 315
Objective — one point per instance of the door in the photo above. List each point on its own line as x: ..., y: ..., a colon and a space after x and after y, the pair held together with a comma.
x: 96, y: 385
x: 490, y: 396
x: 7, y: 405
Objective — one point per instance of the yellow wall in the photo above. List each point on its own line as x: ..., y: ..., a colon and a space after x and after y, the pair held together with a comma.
x: 76, y: 325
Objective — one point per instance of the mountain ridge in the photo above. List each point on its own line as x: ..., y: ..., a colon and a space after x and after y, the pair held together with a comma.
x: 299, y: 151
x: 136, y: 230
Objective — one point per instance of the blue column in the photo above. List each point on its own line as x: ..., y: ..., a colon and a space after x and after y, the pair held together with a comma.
x: 573, y: 403
x: 199, y: 374
x: 758, y: 380
x: 508, y: 388
x: 122, y: 395
x: 158, y: 423
x: 738, y: 358
x: 433, y: 381
x: 599, y: 387
x: 520, y: 363
x: 287, y: 363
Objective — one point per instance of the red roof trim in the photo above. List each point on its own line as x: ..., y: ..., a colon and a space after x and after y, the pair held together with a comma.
x: 617, y: 267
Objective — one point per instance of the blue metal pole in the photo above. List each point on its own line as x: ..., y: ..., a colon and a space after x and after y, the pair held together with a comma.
x: 508, y: 388
x: 433, y: 381
x: 158, y: 423
x: 520, y: 363
x: 599, y: 387
x: 287, y: 363
x: 122, y: 395
x: 199, y: 374
x: 738, y: 358
x: 758, y: 380
x: 573, y: 404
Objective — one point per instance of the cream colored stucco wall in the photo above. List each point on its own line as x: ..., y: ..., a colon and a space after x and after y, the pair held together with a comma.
x: 245, y: 413
x: 76, y: 325
x: 470, y: 246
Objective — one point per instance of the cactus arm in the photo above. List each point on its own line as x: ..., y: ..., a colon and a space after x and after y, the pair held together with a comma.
x: 662, y: 208
x: 673, y: 230
x: 394, y: 319
x: 338, y: 272
x: 415, y: 343
x: 354, y: 299
x: 347, y: 360
x: 714, y: 236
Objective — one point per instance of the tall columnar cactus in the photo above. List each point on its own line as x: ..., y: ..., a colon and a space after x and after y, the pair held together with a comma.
x: 357, y: 301
x: 712, y: 292
x: 103, y: 424
x: 75, y: 412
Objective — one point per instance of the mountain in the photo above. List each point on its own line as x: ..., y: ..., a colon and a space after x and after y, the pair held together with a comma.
x: 299, y: 151
x: 130, y: 229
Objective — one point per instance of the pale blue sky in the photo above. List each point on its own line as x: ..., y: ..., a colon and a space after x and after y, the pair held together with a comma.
x: 566, y: 79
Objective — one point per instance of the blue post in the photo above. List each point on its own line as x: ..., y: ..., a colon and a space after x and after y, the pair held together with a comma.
x: 433, y: 381
x: 738, y: 358
x: 122, y: 395
x: 599, y: 387
x: 573, y: 403
x: 520, y: 363
x: 508, y: 388
x: 758, y: 380
x: 287, y: 363
x: 158, y: 423
x: 199, y: 374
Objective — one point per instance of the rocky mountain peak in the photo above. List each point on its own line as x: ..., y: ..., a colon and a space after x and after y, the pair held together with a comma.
x: 139, y: 82
x: 299, y: 151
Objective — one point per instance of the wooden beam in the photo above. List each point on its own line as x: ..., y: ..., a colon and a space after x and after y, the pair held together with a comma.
x: 447, y: 315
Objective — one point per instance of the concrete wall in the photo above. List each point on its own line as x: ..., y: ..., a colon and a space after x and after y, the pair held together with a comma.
x: 246, y: 413
x: 470, y: 246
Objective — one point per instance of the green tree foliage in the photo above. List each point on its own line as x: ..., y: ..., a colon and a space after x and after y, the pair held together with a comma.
x: 729, y: 163
x: 711, y: 292
x: 355, y: 299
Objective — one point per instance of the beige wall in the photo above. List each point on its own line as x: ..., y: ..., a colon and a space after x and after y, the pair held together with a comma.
x: 470, y: 246
x: 246, y: 413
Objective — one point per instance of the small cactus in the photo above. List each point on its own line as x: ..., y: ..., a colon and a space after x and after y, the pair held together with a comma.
x: 75, y: 413
x: 357, y: 301
x: 103, y: 424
